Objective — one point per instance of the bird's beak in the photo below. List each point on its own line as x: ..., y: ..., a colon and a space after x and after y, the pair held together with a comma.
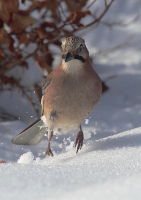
x: 68, y: 56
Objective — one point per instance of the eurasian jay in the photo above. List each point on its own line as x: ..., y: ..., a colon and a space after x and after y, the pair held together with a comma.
x: 70, y: 92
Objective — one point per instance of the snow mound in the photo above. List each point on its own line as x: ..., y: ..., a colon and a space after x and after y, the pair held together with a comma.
x: 26, y: 158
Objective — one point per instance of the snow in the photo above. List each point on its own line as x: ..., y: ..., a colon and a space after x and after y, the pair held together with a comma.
x: 108, y: 168
x: 109, y: 164
x: 26, y: 158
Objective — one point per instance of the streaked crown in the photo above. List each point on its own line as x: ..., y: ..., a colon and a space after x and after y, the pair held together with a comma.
x: 72, y: 43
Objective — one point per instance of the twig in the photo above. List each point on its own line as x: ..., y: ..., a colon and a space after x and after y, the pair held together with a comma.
x: 65, y: 17
x: 97, y: 20
x: 91, y: 4
x: 17, y: 62
x: 105, y: 3
x: 10, y: 66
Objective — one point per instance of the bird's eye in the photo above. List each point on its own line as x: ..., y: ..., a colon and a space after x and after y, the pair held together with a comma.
x: 81, y: 47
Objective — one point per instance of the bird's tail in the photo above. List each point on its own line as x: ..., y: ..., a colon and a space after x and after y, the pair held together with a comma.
x: 32, y: 135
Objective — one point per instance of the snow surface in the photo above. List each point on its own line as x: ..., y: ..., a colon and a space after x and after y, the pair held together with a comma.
x: 109, y: 168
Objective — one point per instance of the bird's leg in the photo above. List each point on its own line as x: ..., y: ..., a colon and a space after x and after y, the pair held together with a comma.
x: 48, y: 150
x: 79, y: 140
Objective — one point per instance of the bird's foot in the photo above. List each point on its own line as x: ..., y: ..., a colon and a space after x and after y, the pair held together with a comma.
x: 79, y: 140
x: 48, y: 152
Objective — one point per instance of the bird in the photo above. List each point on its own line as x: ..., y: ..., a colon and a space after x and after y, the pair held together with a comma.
x: 69, y: 94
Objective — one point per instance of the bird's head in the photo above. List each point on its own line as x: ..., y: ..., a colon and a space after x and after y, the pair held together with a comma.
x: 74, y: 47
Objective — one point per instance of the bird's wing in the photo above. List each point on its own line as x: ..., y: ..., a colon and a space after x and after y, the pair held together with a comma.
x: 32, y: 135
x: 45, y: 84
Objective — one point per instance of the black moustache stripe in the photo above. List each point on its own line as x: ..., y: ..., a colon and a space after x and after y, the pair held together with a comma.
x: 76, y: 57
x: 79, y: 58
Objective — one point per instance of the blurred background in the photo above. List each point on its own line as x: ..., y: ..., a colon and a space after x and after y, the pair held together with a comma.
x: 31, y: 33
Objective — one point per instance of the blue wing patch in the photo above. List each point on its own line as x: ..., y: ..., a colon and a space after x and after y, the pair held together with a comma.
x: 44, y: 87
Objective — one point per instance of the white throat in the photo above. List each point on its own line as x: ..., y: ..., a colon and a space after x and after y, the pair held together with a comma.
x: 73, y: 66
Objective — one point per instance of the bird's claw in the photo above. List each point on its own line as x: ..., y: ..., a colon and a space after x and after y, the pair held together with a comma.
x: 48, y: 152
x: 79, y: 141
